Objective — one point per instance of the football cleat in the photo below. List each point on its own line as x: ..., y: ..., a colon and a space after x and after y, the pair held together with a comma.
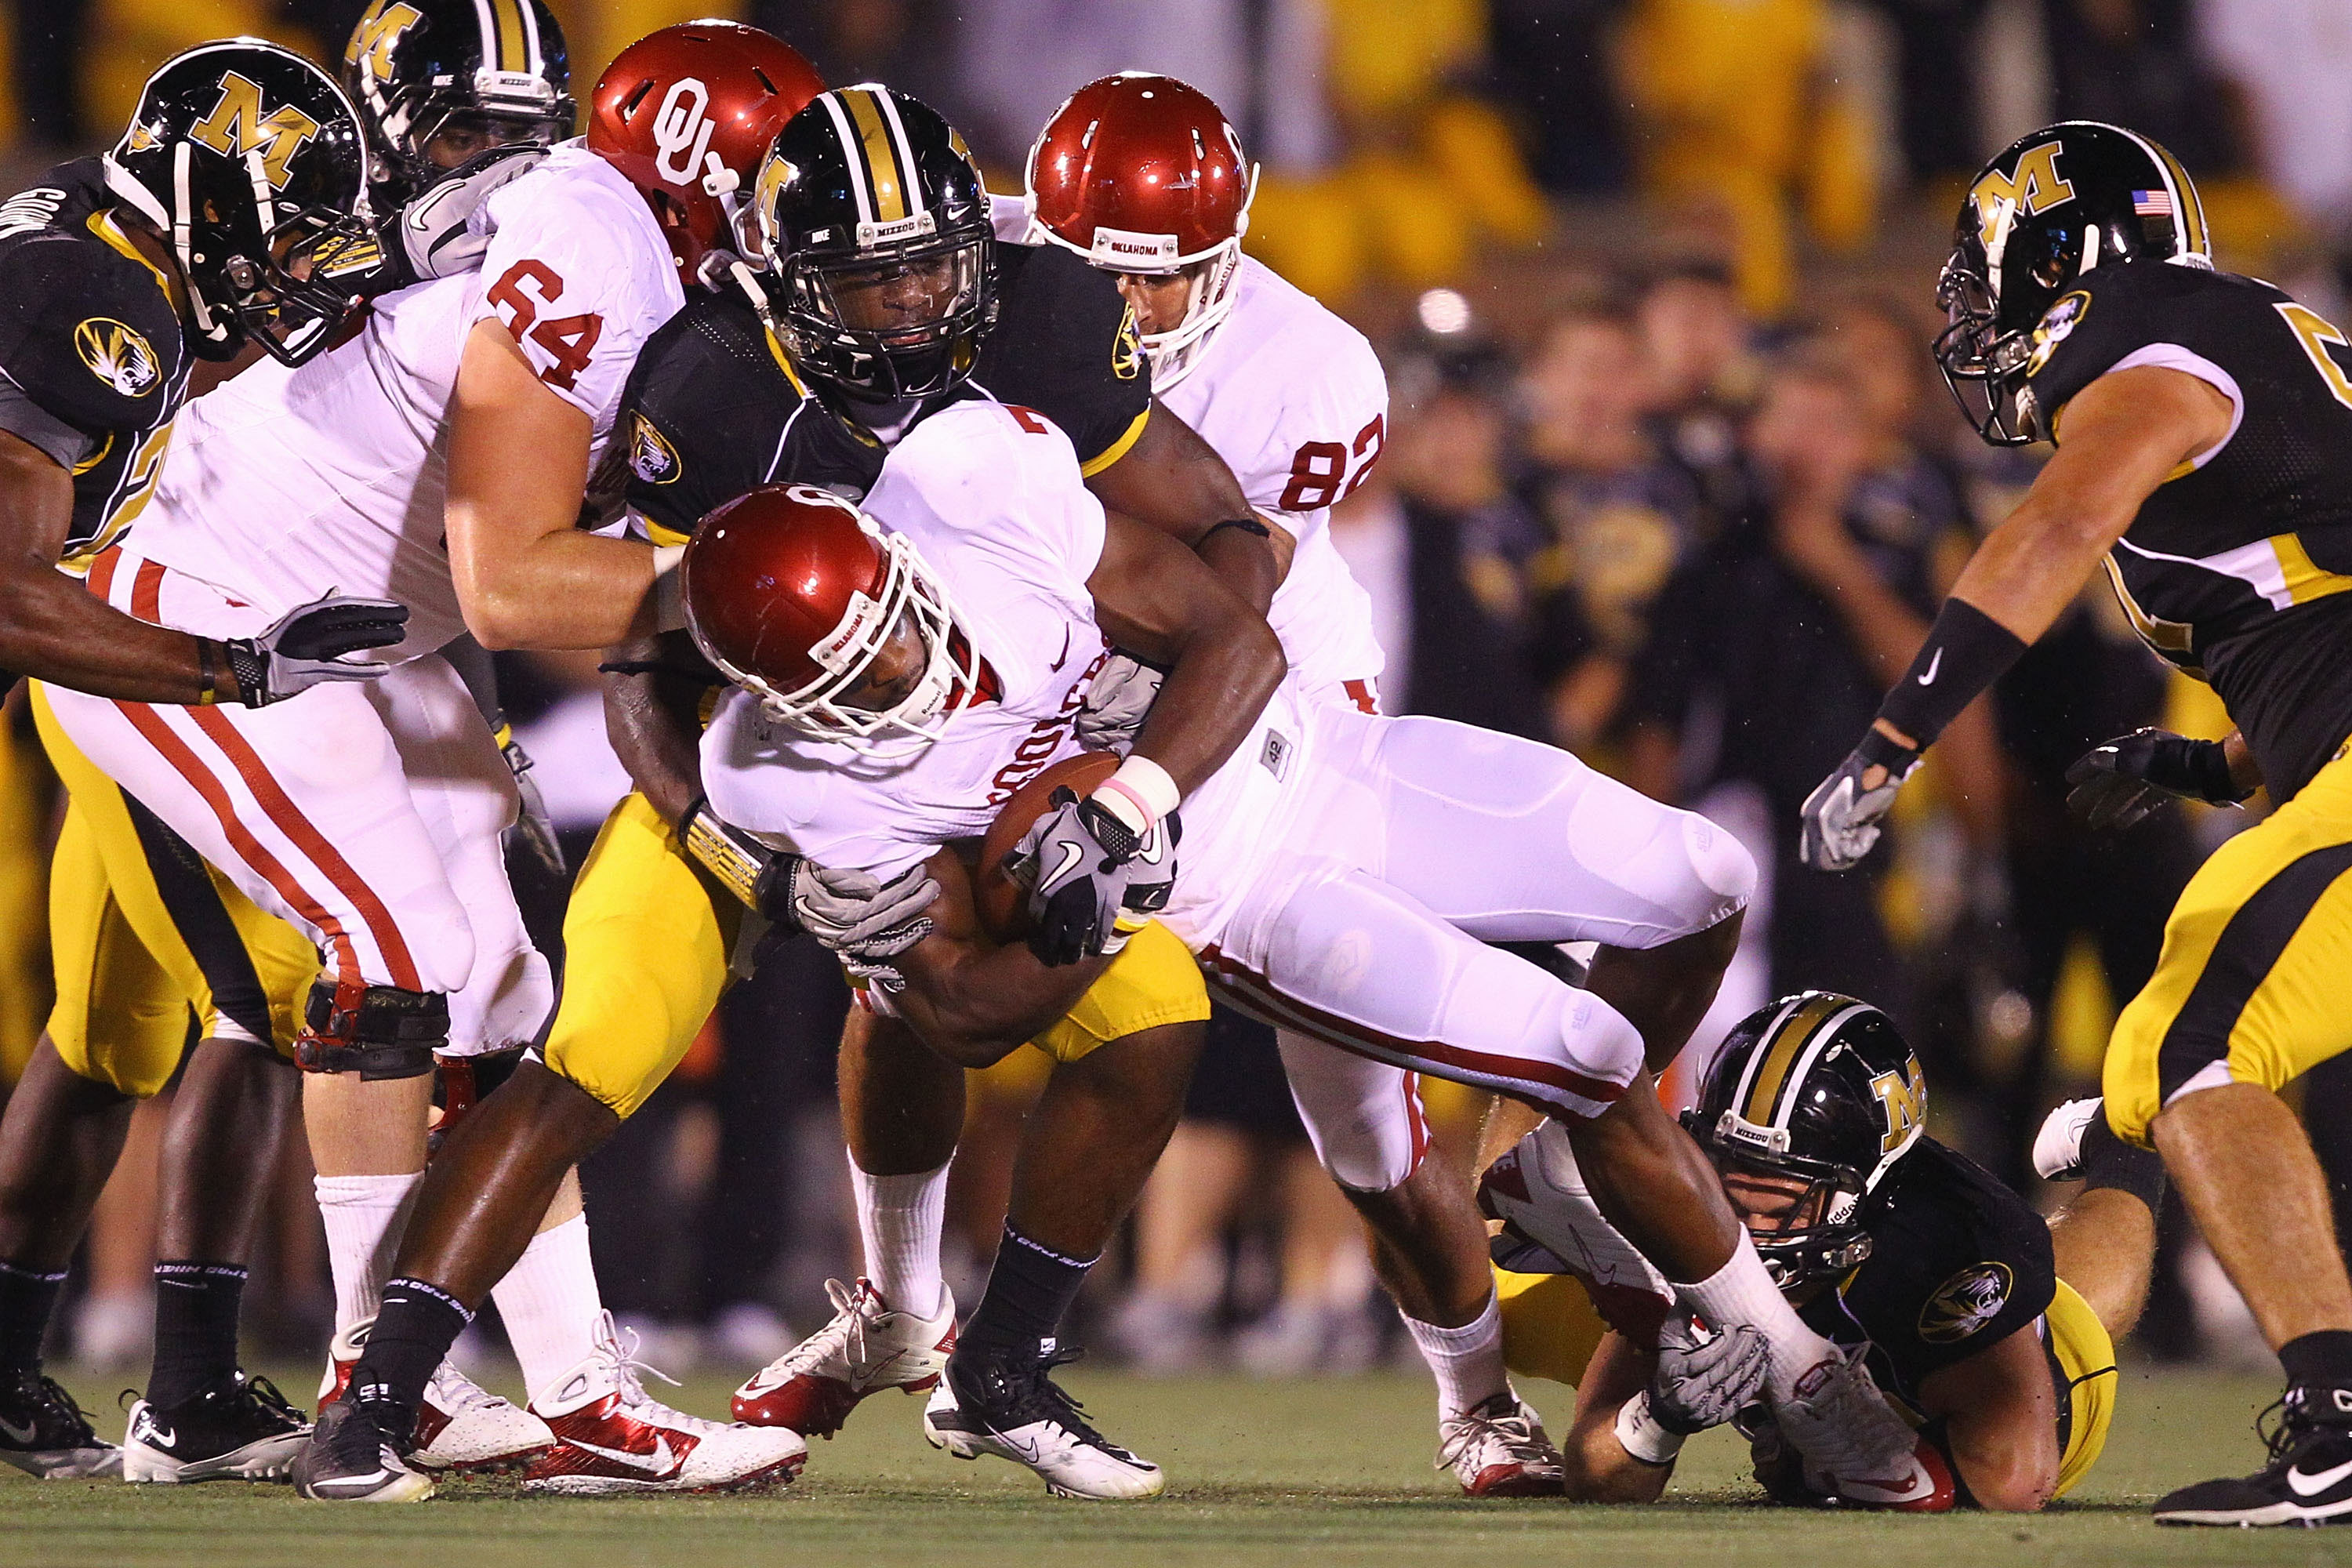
x: 866, y: 1348
x: 1007, y: 1405
x: 1855, y: 1448
x: 2308, y: 1481
x: 349, y: 1460
x: 460, y: 1425
x: 1500, y: 1450
x: 240, y: 1429
x: 46, y: 1435
x: 611, y: 1436
x: 2058, y: 1147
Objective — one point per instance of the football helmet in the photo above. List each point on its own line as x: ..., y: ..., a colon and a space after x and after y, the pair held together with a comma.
x: 459, y: 77
x: 1143, y: 174
x: 251, y: 164
x: 1820, y: 1091
x: 686, y: 113
x: 796, y: 596
x: 2049, y: 208
x: 881, y: 259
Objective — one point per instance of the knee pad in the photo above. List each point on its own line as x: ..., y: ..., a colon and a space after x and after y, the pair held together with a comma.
x: 1363, y: 1118
x: 1721, y: 863
x: 376, y: 1031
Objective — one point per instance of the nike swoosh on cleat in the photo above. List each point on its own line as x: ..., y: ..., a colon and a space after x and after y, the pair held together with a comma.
x: 660, y: 1462
x: 14, y: 1434
x: 2307, y: 1485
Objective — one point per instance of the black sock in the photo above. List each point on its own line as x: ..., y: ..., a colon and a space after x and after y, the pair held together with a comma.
x: 2109, y: 1162
x: 1030, y: 1291
x: 28, y: 1298
x: 414, y: 1330
x: 2319, y: 1376
x: 195, y: 1328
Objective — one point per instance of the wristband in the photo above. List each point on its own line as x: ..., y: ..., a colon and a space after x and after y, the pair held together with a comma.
x: 1639, y: 1433
x: 669, y: 588
x: 1246, y: 524
x: 1139, y: 795
x: 207, y: 674
x: 1965, y: 651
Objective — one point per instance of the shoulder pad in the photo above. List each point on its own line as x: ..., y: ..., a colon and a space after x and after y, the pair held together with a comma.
x: 89, y: 333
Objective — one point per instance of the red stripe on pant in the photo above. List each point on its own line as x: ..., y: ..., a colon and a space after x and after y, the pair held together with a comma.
x: 147, y: 593
x: 1527, y: 1078
x: 1360, y: 692
x: 101, y: 579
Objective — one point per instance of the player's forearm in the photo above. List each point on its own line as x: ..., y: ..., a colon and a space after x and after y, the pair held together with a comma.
x: 1216, y: 687
x: 2244, y: 772
x: 53, y: 629
x: 562, y: 590
x: 1998, y: 1417
x: 974, y: 1003
x: 652, y: 703
x: 1249, y: 564
x: 1173, y: 481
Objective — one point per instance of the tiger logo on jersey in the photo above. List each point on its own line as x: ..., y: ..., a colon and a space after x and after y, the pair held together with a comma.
x: 2056, y: 323
x: 1126, y: 350
x: 1966, y: 1302
x: 118, y: 355
x: 651, y: 456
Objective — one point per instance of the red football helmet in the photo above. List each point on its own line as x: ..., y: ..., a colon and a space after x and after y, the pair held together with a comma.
x: 686, y: 113
x: 795, y: 594
x: 1144, y: 173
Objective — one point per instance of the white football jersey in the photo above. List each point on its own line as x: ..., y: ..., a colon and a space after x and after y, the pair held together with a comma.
x: 286, y: 484
x: 992, y: 499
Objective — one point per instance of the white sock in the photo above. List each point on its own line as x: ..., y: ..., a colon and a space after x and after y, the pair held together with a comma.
x: 900, y: 1219
x: 549, y: 1304
x: 363, y: 1216
x: 1741, y: 1291
x: 1467, y: 1362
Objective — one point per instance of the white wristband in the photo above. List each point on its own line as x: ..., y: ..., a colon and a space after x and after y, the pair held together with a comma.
x: 669, y: 588
x: 1639, y: 1433
x: 1139, y: 795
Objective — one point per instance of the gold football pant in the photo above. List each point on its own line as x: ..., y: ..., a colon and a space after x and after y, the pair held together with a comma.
x: 2078, y: 1341
x: 2252, y: 982
x: 143, y: 935
x: 647, y: 941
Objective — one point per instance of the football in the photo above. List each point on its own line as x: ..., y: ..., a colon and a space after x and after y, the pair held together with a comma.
x: 1003, y: 902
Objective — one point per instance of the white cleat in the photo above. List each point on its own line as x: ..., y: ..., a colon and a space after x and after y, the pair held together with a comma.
x: 1854, y: 1445
x: 866, y: 1349
x: 1042, y: 1428
x: 2058, y: 1147
x: 612, y: 1437
x: 1500, y: 1450
x: 460, y: 1424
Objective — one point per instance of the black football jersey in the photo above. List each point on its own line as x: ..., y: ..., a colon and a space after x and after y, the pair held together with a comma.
x: 2235, y: 568
x: 1956, y: 1263
x: 713, y: 410
x: 92, y: 363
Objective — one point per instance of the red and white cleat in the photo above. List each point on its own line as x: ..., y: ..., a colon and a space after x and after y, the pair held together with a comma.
x: 460, y: 1425
x: 612, y: 1437
x: 1500, y: 1450
x: 1855, y: 1448
x: 866, y: 1348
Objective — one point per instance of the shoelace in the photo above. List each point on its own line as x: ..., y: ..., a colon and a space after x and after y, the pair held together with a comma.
x: 619, y: 1345
x: 844, y: 1334
x: 455, y: 1393
x: 1516, y: 1432
x: 1857, y: 1419
x: 55, y: 1401
x: 1040, y: 1398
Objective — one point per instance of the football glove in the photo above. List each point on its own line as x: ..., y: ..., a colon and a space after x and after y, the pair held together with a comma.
x: 861, y: 916
x: 2120, y: 782
x: 308, y: 643
x: 1840, y: 816
x: 1118, y: 699
x: 1093, y: 880
x: 434, y: 235
x: 1705, y: 1383
x: 533, y: 825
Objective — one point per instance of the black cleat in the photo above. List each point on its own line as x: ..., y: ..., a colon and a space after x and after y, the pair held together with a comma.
x: 46, y: 1435
x: 349, y: 1460
x: 242, y: 1429
x: 2309, y: 1480
x: 1006, y: 1403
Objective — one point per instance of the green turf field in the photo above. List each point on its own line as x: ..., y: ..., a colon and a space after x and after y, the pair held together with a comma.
x: 1298, y: 1473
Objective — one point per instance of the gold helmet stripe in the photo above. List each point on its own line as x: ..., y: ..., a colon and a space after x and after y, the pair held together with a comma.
x: 853, y: 152
x: 889, y: 106
x: 1789, y: 1050
x: 2189, y: 212
x: 890, y: 177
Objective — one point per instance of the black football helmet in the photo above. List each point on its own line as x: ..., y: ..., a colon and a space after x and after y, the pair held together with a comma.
x: 249, y: 162
x: 2047, y: 209
x: 1820, y: 1087
x: 881, y: 260
x: 458, y: 76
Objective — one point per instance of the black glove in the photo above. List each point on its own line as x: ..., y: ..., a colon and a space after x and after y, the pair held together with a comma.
x: 308, y: 643
x: 2120, y: 782
x: 1093, y: 881
x: 430, y: 237
x: 1841, y: 818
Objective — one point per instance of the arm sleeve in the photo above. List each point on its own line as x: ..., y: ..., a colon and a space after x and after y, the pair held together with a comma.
x: 27, y: 420
x: 1989, y: 1274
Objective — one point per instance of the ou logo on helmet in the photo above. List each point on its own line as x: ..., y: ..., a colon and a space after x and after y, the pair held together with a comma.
x: 682, y: 132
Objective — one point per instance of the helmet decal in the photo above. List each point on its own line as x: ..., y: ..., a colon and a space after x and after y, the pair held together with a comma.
x: 378, y: 34
x: 1902, y: 1095
x: 240, y: 123
x: 2035, y: 188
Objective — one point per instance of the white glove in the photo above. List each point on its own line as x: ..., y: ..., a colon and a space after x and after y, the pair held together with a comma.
x: 861, y: 916
x: 432, y: 236
x: 1118, y: 699
x: 1841, y: 815
x: 1703, y: 1383
x: 311, y: 643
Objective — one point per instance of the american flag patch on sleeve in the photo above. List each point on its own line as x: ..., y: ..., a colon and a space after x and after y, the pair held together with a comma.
x: 2152, y: 204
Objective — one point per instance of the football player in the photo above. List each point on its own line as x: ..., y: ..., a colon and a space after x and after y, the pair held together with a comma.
x: 2202, y: 421
x: 1989, y: 1328
x: 231, y: 212
x: 1334, y: 863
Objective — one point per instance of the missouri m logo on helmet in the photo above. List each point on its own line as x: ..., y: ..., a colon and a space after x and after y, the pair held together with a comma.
x: 378, y: 34
x: 2034, y: 186
x: 240, y: 125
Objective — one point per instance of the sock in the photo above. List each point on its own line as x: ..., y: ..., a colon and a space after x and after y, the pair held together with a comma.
x: 195, y: 1328
x: 415, y: 1327
x: 1741, y: 1291
x: 2319, y: 1376
x: 549, y: 1304
x: 2109, y: 1162
x: 364, y: 1217
x: 1030, y: 1291
x: 28, y: 1298
x: 900, y: 1219
x: 1467, y: 1362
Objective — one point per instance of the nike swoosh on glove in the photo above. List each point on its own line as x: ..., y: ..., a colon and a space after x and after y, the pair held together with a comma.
x: 1097, y: 882
x: 2118, y: 782
x: 1842, y: 817
x: 434, y: 236
x: 307, y: 646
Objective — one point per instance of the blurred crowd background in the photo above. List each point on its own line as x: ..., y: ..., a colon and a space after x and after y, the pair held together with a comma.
x: 1669, y: 481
